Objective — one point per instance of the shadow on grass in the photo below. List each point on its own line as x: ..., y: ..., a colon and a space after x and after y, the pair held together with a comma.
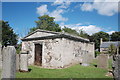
x: 23, y: 71
x: 29, y: 70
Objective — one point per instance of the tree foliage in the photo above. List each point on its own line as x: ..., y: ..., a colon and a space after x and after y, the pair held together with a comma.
x: 70, y: 31
x: 8, y: 35
x: 112, y: 49
x: 46, y: 22
x: 83, y: 34
x: 97, y: 53
x: 115, y: 36
x: 0, y: 32
x: 96, y: 38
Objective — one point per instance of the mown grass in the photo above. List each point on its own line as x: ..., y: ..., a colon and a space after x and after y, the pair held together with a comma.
x: 76, y: 71
x: 110, y: 63
x: 95, y: 62
x: 0, y: 73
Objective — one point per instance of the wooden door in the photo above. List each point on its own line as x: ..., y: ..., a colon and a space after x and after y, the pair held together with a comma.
x: 38, y: 54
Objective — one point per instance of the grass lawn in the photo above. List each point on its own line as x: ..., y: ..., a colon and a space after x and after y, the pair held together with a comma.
x: 76, y: 71
x: 110, y: 64
x: 0, y: 73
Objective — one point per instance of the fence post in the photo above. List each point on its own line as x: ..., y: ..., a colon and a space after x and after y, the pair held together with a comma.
x: 9, y: 62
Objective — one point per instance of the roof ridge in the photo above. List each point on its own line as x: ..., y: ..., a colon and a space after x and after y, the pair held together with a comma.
x: 107, y: 44
x: 41, y: 30
x: 56, y: 33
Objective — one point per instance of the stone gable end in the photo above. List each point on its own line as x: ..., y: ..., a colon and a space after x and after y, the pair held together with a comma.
x: 39, y: 34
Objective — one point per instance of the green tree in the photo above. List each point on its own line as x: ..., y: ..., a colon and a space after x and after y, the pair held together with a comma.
x: 18, y: 48
x: 46, y: 22
x: 115, y: 36
x: 8, y: 35
x: 83, y: 34
x: 96, y: 38
x: 97, y: 53
x: 70, y: 31
x: 112, y: 49
x: 0, y: 32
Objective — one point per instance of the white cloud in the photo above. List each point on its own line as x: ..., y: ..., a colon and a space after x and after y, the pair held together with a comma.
x: 110, y: 32
x: 58, y: 2
x: 58, y: 15
x: 87, y: 7
x: 90, y: 29
x: 103, y: 7
x: 106, y: 0
x: 58, y: 12
x: 62, y: 24
x: 42, y: 10
x: 71, y: 25
x: 61, y: 2
x: 64, y: 5
x: 61, y: 9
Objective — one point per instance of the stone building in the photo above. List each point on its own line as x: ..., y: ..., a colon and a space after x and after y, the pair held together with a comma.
x: 104, y: 46
x: 56, y: 50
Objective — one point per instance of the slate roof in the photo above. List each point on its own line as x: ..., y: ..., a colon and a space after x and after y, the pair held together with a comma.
x: 57, y: 35
x: 107, y: 44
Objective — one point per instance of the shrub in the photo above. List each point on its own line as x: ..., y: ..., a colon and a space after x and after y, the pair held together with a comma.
x: 97, y: 53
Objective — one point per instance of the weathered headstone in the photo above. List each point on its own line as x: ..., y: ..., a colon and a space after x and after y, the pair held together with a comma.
x: 87, y: 59
x: 116, y: 67
x: 24, y: 61
x: 119, y: 66
x: 0, y: 57
x: 103, y: 61
x: 17, y: 62
x: 0, y: 61
x: 9, y: 62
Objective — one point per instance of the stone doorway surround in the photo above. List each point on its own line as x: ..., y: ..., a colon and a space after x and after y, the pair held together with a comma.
x: 41, y: 51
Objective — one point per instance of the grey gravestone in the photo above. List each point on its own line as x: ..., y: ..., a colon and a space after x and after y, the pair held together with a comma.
x: 116, y: 67
x: 17, y: 62
x: 103, y: 61
x: 24, y: 61
x: 87, y: 59
x: 119, y: 66
x: 9, y: 62
x: 0, y: 61
x: 0, y: 57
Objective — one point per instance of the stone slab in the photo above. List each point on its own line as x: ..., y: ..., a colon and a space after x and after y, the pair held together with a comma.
x: 9, y: 62
x: 24, y: 61
x: 103, y: 61
x: 17, y: 62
